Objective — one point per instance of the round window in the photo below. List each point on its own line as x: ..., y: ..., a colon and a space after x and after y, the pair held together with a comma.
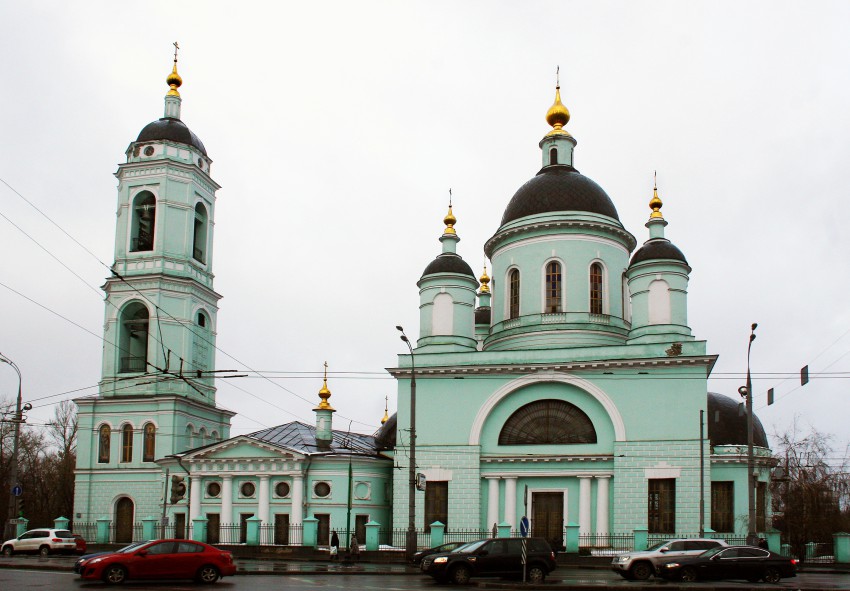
x: 361, y: 490
x: 281, y: 489
x: 149, y: 151
x: 322, y: 489
x: 213, y: 489
x: 247, y: 489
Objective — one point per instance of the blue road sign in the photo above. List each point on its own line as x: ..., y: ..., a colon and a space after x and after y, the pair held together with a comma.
x: 523, y: 526
x: 17, y: 490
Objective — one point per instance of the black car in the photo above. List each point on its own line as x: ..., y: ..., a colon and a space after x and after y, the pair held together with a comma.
x: 736, y: 562
x: 496, y: 557
x: 442, y: 548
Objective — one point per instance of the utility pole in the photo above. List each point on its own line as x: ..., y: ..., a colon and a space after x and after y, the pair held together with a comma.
x: 410, y: 546
x: 747, y: 392
x: 14, y: 485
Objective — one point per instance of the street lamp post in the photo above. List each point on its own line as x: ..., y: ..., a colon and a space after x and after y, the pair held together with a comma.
x: 410, y: 546
x: 747, y: 392
x: 13, y: 465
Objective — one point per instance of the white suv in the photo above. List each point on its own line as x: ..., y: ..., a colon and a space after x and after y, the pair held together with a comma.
x: 641, y: 565
x: 42, y: 541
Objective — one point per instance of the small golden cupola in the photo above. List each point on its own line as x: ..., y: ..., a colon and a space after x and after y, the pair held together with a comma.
x: 386, y: 416
x: 174, y: 80
x: 450, y: 220
x: 655, y: 203
x: 558, y: 115
x: 324, y: 393
x: 485, y: 281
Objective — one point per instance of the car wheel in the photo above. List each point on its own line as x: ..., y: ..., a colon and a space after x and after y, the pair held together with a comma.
x: 44, y: 551
x: 8, y: 551
x: 689, y: 575
x: 208, y: 574
x: 641, y: 571
x: 536, y: 574
x: 461, y: 575
x: 115, y: 575
x: 771, y: 575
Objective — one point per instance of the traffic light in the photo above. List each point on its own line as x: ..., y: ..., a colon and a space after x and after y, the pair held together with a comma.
x: 21, y: 507
x: 178, y: 488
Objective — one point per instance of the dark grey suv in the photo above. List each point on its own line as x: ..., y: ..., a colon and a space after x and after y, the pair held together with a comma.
x: 496, y: 557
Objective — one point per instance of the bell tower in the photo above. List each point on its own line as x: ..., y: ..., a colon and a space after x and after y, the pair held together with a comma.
x: 157, y: 392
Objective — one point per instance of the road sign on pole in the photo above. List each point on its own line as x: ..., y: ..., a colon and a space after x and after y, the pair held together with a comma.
x: 17, y: 490
x: 524, y: 526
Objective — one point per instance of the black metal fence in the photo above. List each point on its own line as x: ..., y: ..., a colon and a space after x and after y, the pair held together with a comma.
x: 607, y: 543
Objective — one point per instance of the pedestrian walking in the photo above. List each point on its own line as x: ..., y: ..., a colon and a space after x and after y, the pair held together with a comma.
x: 334, y: 546
x: 355, y: 548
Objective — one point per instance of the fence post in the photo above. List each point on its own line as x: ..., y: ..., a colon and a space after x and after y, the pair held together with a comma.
x: 641, y: 538
x: 103, y: 530
x: 149, y: 528
x: 710, y: 533
x: 504, y: 529
x: 372, y: 535
x: 774, y: 540
x: 23, y: 524
x: 61, y: 523
x: 438, y: 533
x: 571, y: 545
x: 199, y: 529
x: 841, y: 547
x: 311, y: 532
x: 252, y: 531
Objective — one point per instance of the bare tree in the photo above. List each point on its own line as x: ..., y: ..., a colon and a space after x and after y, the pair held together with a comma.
x: 62, y: 430
x: 810, y: 489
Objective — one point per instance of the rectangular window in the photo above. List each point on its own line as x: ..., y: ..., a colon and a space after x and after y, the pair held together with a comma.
x: 127, y: 444
x: 662, y: 506
x: 596, y: 302
x: 436, y: 504
x: 513, y: 295
x: 723, y: 506
x: 761, y: 504
x: 553, y: 288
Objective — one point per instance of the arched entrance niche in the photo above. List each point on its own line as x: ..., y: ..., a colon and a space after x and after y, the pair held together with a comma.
x: 125, y: 511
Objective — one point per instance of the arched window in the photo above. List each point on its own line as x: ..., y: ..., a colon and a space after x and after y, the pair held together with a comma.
x: 127, y: 443
x: 199, y: 243
x: 659, y: 302
x: 547, y: 422
x: 513, y: 293
x: 143, y: 222
x: 103, y: 440
x: 553, y: 288
x: 596, y: 295
x: 553, y: 156
x: 133, y: 338
x: 202, y: 320
x: 201, y: 343
x: 202, y: 436
x: 190, y: 437
x: 442, y: 314
x: 149, y: 447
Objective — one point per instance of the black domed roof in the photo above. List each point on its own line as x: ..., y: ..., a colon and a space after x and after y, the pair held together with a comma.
x: 448, y: 262
x: 658, y: 248
x: 727, y: 427
x: 559, y: 188
x: 385, y: 437
x: 171, y: 129
x: 482, y: 315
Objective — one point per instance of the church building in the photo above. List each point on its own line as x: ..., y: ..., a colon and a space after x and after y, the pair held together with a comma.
x: 568, y: 388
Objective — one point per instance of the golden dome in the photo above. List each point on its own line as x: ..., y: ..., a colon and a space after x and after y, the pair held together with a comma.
x: 485, y: 280
x: 655, y: 203
x: 386, y: 408
x: 174, y: 81
x: 558, y: 115
x: 325, y: 393
x: 450, y: 220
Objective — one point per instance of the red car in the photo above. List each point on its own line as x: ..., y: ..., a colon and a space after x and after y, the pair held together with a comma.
x: 162, y: 559
x: 81, y: 544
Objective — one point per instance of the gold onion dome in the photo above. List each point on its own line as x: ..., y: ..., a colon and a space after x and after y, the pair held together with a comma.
x: 174, y: 81
x: 325, y: 393
x: 485, y: 281
x: 655, y: 204
x: 558, y: 115
x: 386, y: 416
x: 450, y: 220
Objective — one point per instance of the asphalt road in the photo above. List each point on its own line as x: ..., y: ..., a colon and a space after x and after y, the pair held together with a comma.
x: 12, y: 579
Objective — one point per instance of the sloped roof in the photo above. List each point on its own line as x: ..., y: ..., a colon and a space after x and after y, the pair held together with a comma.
x: 301, y: 438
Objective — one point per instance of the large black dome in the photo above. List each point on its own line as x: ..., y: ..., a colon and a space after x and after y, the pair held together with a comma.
x: 559, y: 188
x: 727, y: 427
x: 173, y: 130
x: 448, y: 262
x: 658, y: 248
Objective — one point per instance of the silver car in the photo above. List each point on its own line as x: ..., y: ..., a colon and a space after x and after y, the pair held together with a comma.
x: 641, y: 565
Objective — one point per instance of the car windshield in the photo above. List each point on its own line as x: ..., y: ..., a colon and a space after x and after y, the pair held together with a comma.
x: 472, y: 546
x: 63, y: 533
x: 463, y: 547
x: 130, y: 548
x: 712, y: 552
x: 658, y: 546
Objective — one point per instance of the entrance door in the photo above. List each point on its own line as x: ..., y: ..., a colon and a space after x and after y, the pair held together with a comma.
x: 124, y: 510
x: 360, y: 522
x: 243, y: 526
x: 281, y: 529
x: 324, y: 525
x: 180, y: 526
x: 547, y: 520
x: 213, y: 527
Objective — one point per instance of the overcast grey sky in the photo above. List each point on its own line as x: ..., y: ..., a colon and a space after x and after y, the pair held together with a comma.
x: 337, y: 128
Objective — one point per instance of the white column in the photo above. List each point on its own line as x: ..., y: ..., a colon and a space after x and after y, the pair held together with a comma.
x: 510, y: 501
x: 263, y: 499
x: 297, y: 494
x: 602, y: 505
x: 584, y: 504
x: 226, y: 499
x: 195, y: 497
x: 492, y: 502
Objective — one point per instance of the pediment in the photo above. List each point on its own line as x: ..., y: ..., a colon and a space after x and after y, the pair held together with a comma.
x: 242, y: 448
